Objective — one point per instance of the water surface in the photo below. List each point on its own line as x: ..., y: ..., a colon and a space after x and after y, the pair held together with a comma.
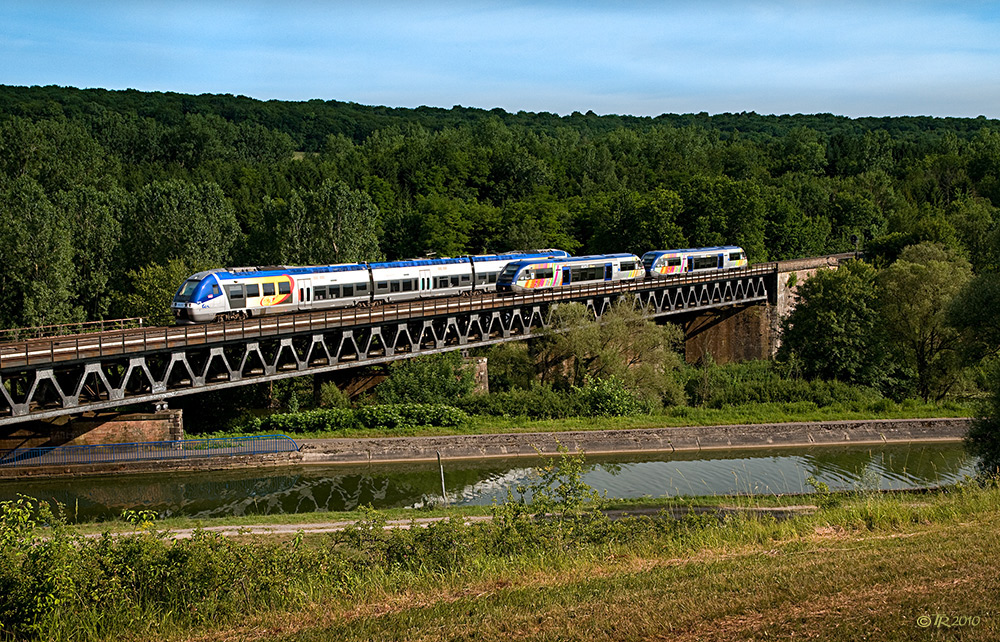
x: 335, y: 488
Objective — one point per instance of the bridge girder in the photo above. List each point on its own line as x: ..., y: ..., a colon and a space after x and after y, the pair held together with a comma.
x: 151, y: 365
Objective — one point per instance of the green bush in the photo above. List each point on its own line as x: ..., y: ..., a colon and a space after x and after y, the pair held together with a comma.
x: 326, y: 420
x: 609, y: 397
x: 537, y: 402
x: 755, y: 382
x: 409, y: 415
x: 435, y: 378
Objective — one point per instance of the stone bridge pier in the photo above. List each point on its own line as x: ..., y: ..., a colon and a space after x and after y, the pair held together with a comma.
x: 742, y: 333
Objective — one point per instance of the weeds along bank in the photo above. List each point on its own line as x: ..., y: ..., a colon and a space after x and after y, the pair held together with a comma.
x: 58, y: 585
x: 413, y: 401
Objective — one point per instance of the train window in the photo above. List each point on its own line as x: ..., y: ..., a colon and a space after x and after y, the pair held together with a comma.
x: 706, y: 262
x: 407, y: 285
x: 628, y: 267
x: 268, y: 289
x: 544, y: 274
x: 491, y: 277
x: 361, y: 288
x: 284, y: 288
x: 319, y: 293
x: 235, y: 291
x: 454, y: 281
x: 382, y: 286
x: 253, y: 290
x: 674, y: 262
x: 734, y: 256
x: 347, y: 290
x: 466, y: 278
x: 395, y: 286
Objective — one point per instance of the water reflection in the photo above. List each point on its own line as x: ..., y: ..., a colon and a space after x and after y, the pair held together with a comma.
x: 309, y: 489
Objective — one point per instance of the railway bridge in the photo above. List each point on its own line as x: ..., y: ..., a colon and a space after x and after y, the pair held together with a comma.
x: 44, y: 378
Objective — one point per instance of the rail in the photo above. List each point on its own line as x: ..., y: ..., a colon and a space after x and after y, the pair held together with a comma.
x: 119, y: 343
x: 147, y: 451
x: 70, y: 329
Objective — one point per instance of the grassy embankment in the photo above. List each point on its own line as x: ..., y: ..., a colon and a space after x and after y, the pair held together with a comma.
x: 758, y: 413
x: 862, y: 566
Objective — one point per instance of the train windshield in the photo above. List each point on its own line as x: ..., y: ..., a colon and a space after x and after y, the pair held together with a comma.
x: 647, y: 260
x: 184, y: 294
x: 509, y: 270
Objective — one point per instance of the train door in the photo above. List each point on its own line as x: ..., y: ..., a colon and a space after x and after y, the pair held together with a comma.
x: 690, y: 267
x: 566, y: 280
x: 608, y: 271
x: 237, y: 297
x: 305, y: 293
x: 722, y: 261
x: 425, y: 280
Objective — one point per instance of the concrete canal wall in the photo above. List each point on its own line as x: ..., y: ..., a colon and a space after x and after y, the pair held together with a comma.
x: 876, y: 431
x: 395, y: 449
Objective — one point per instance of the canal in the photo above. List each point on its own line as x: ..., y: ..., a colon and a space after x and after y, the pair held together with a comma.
x: 335, y: 488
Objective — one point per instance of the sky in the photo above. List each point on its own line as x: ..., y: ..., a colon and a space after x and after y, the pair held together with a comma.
x: 644, y: 58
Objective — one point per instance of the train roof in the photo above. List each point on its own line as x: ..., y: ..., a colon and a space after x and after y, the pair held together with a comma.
x: 716, y: 248
x: 569, y: 259
x: 279, y: 270
x: 516, y: 256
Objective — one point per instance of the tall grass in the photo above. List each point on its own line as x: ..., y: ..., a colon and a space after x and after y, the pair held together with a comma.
x: 56, y: 585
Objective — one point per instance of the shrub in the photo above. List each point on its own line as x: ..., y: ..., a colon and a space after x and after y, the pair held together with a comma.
x: 409, y: 415
x: 609, y: 397
x: 537, y: 402
x: 326, y: 420
x: 435, y: 378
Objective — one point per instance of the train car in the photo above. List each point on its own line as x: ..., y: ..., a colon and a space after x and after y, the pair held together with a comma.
x: 424, y: 278
x: 239, y: 293
x: 528, y: 275
x: 660, y: 264
x: 419, y: 278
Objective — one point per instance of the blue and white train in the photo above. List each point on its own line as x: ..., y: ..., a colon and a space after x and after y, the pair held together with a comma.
x: 529, y: 274
x: 240, y: 293
x: 660, y: 264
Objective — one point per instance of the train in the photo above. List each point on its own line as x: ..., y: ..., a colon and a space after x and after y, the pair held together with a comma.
x: 240, y: 293
x: 228, y: 294
x: 530, y: 273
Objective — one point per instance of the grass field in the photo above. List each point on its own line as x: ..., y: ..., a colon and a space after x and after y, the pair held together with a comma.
x: 873, y: 568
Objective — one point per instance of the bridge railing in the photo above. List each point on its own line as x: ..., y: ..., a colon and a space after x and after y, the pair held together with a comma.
x: 69, y: 329
x: 147, y: 451
x: 69, y: 348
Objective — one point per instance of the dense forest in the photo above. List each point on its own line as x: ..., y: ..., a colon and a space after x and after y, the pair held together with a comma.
x: 108, y: 199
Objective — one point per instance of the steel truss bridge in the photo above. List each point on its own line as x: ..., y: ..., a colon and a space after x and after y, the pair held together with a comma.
x: 48, y: 377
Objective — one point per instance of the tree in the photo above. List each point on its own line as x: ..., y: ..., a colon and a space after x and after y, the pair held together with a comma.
x: 333, y: 224
x: 983, y: 440
x: 93, y: 217
x: 975, y: 313
x: 36, y: 258
x: 624, y: 345
x: 637, y: 223
x: 834, y: 331
x: 177, y: 220
x: 914, y: 295
x: 149, y: 291
x: 434, y: 378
